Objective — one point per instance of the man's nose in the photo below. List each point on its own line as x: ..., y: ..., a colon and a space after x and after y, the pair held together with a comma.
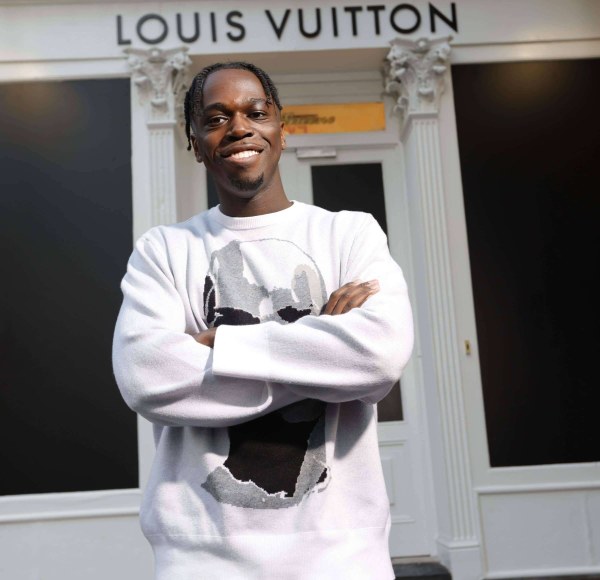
x: 239, y: 127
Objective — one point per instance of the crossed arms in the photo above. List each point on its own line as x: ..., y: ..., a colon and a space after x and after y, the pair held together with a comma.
x: 349, y: 296
x: 355, y: 350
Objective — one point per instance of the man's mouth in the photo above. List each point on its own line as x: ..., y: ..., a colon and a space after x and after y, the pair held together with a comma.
x: 243, y: 154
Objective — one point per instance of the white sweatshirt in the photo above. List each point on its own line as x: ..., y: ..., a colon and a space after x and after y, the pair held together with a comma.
x: 267, y: 463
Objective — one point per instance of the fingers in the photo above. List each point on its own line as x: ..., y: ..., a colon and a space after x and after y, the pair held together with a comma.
x: 206, y: 337
x: 349, y: 296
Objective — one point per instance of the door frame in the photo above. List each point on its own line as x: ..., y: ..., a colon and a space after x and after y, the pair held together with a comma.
x: 404, y: 445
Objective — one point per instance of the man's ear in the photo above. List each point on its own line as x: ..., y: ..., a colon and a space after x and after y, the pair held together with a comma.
x: 282, y: 132
x: 196, y: 148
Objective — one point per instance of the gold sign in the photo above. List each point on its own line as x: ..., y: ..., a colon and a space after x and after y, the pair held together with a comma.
x: 333, y: 118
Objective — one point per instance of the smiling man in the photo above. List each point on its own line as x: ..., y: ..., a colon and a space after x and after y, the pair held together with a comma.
x: 257, y: 337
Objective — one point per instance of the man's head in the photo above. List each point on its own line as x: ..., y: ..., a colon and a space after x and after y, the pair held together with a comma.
x: 233, y: 123
x: 194, y: 96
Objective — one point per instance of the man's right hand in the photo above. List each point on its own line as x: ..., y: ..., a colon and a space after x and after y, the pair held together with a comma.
x: 349, y: 296
x: 206, y: 337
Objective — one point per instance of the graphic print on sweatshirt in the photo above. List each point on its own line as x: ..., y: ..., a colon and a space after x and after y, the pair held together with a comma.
x: 276, y: 460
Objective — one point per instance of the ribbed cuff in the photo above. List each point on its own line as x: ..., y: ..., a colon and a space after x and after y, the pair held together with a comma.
x: 242, y: 352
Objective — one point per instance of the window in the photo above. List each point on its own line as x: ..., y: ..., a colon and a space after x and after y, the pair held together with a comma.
x: 66, y: 235
x: 529, y: 137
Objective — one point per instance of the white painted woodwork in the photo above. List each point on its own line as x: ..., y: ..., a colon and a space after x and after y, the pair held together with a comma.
x: 52, y: 30
x: 96, y: 547
x: 158, y: 80
x: 416, y: 75
x: 541, y: 532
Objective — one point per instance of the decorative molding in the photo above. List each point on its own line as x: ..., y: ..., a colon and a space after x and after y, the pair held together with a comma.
x: 424, y: 135
x: 403, y: 520
x: 450, y: 544
x: 162, y: 176
x: 570, y: 486
x: 414, y: 74
x: 161, y: 78
x: 71, y: 515
x: 69, y: 505
x: 544, y: 573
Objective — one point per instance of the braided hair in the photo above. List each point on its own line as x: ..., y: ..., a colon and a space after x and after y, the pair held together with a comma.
x: 194, y: 96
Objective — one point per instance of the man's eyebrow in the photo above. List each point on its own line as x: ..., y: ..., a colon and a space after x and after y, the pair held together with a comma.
x: 251, y: 100
x: 260, y: 100
x: 219, y: 106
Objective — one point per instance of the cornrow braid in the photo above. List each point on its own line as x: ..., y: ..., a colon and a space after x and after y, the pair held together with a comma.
x: 194, y: 97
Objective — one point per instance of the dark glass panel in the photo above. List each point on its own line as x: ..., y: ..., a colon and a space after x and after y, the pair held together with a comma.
x: 356, y: 187
x: 529, y: 137
x: 66, y: 235
x: 390, y: 407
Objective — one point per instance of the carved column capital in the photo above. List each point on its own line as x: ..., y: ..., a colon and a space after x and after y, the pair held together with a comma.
x: 160, y: 76
x: 414, y: 74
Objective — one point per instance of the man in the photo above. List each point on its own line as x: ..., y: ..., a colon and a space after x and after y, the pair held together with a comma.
x: 257, y: 338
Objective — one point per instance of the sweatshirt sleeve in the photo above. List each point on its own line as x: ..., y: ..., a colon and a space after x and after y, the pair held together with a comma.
x: 162, y: 372
x: 356, y: 355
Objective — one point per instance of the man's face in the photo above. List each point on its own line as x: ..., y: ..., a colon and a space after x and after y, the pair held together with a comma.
x: 238, y: 135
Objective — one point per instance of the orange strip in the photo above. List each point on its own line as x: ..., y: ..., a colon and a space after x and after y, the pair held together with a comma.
x: 334, y: 118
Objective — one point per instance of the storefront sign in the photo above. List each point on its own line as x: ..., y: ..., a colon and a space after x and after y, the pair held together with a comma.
x: 334, y: 118
x: 278, y: 23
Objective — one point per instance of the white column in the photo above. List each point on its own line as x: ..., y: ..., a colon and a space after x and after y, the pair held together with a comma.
x: 157, y: 92
x: 158, y: 89
x: 415, y: 74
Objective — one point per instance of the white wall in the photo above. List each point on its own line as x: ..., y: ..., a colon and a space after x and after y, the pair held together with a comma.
x: 99, y: 548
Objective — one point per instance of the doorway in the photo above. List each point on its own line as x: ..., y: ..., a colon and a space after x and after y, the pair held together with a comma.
x: 370, y: 179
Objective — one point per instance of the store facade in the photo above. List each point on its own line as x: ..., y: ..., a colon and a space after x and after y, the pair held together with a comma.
x: 474, y: 481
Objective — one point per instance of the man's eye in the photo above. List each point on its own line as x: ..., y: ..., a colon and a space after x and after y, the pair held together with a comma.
x: 216, y: 121
x: 257, y: 115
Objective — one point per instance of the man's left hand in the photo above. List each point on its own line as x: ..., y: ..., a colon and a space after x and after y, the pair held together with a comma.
x: 349, y: 296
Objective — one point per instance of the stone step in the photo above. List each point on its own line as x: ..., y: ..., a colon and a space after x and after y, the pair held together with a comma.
x: 420, y: 570
x: 567, y: 577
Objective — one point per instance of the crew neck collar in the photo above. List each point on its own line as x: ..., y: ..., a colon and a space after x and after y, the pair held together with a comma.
x: 258, y: 221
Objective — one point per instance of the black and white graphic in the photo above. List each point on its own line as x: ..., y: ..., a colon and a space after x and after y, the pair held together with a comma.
x: 259, y: 281
x: 276, y: 460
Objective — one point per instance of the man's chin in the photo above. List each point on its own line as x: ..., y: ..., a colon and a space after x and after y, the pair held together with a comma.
x: 247, y: 185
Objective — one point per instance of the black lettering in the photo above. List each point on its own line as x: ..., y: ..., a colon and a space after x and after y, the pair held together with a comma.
x: 410, y: 8
x: 240, y: 27
x: 213, y: 27
x: 353, y: 10
x: 147, y: 18
x: 451, y: 22
x: 120, y: 40
x: 316, y: 31
x: 194, y: 36
x: 376, y: 10
x: 279, y: 29
x: 334, y: 20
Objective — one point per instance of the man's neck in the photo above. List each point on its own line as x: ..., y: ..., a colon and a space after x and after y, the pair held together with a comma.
x: 262, y: 203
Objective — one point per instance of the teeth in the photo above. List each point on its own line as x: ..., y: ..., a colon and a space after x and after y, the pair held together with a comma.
x: 244, y: 154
